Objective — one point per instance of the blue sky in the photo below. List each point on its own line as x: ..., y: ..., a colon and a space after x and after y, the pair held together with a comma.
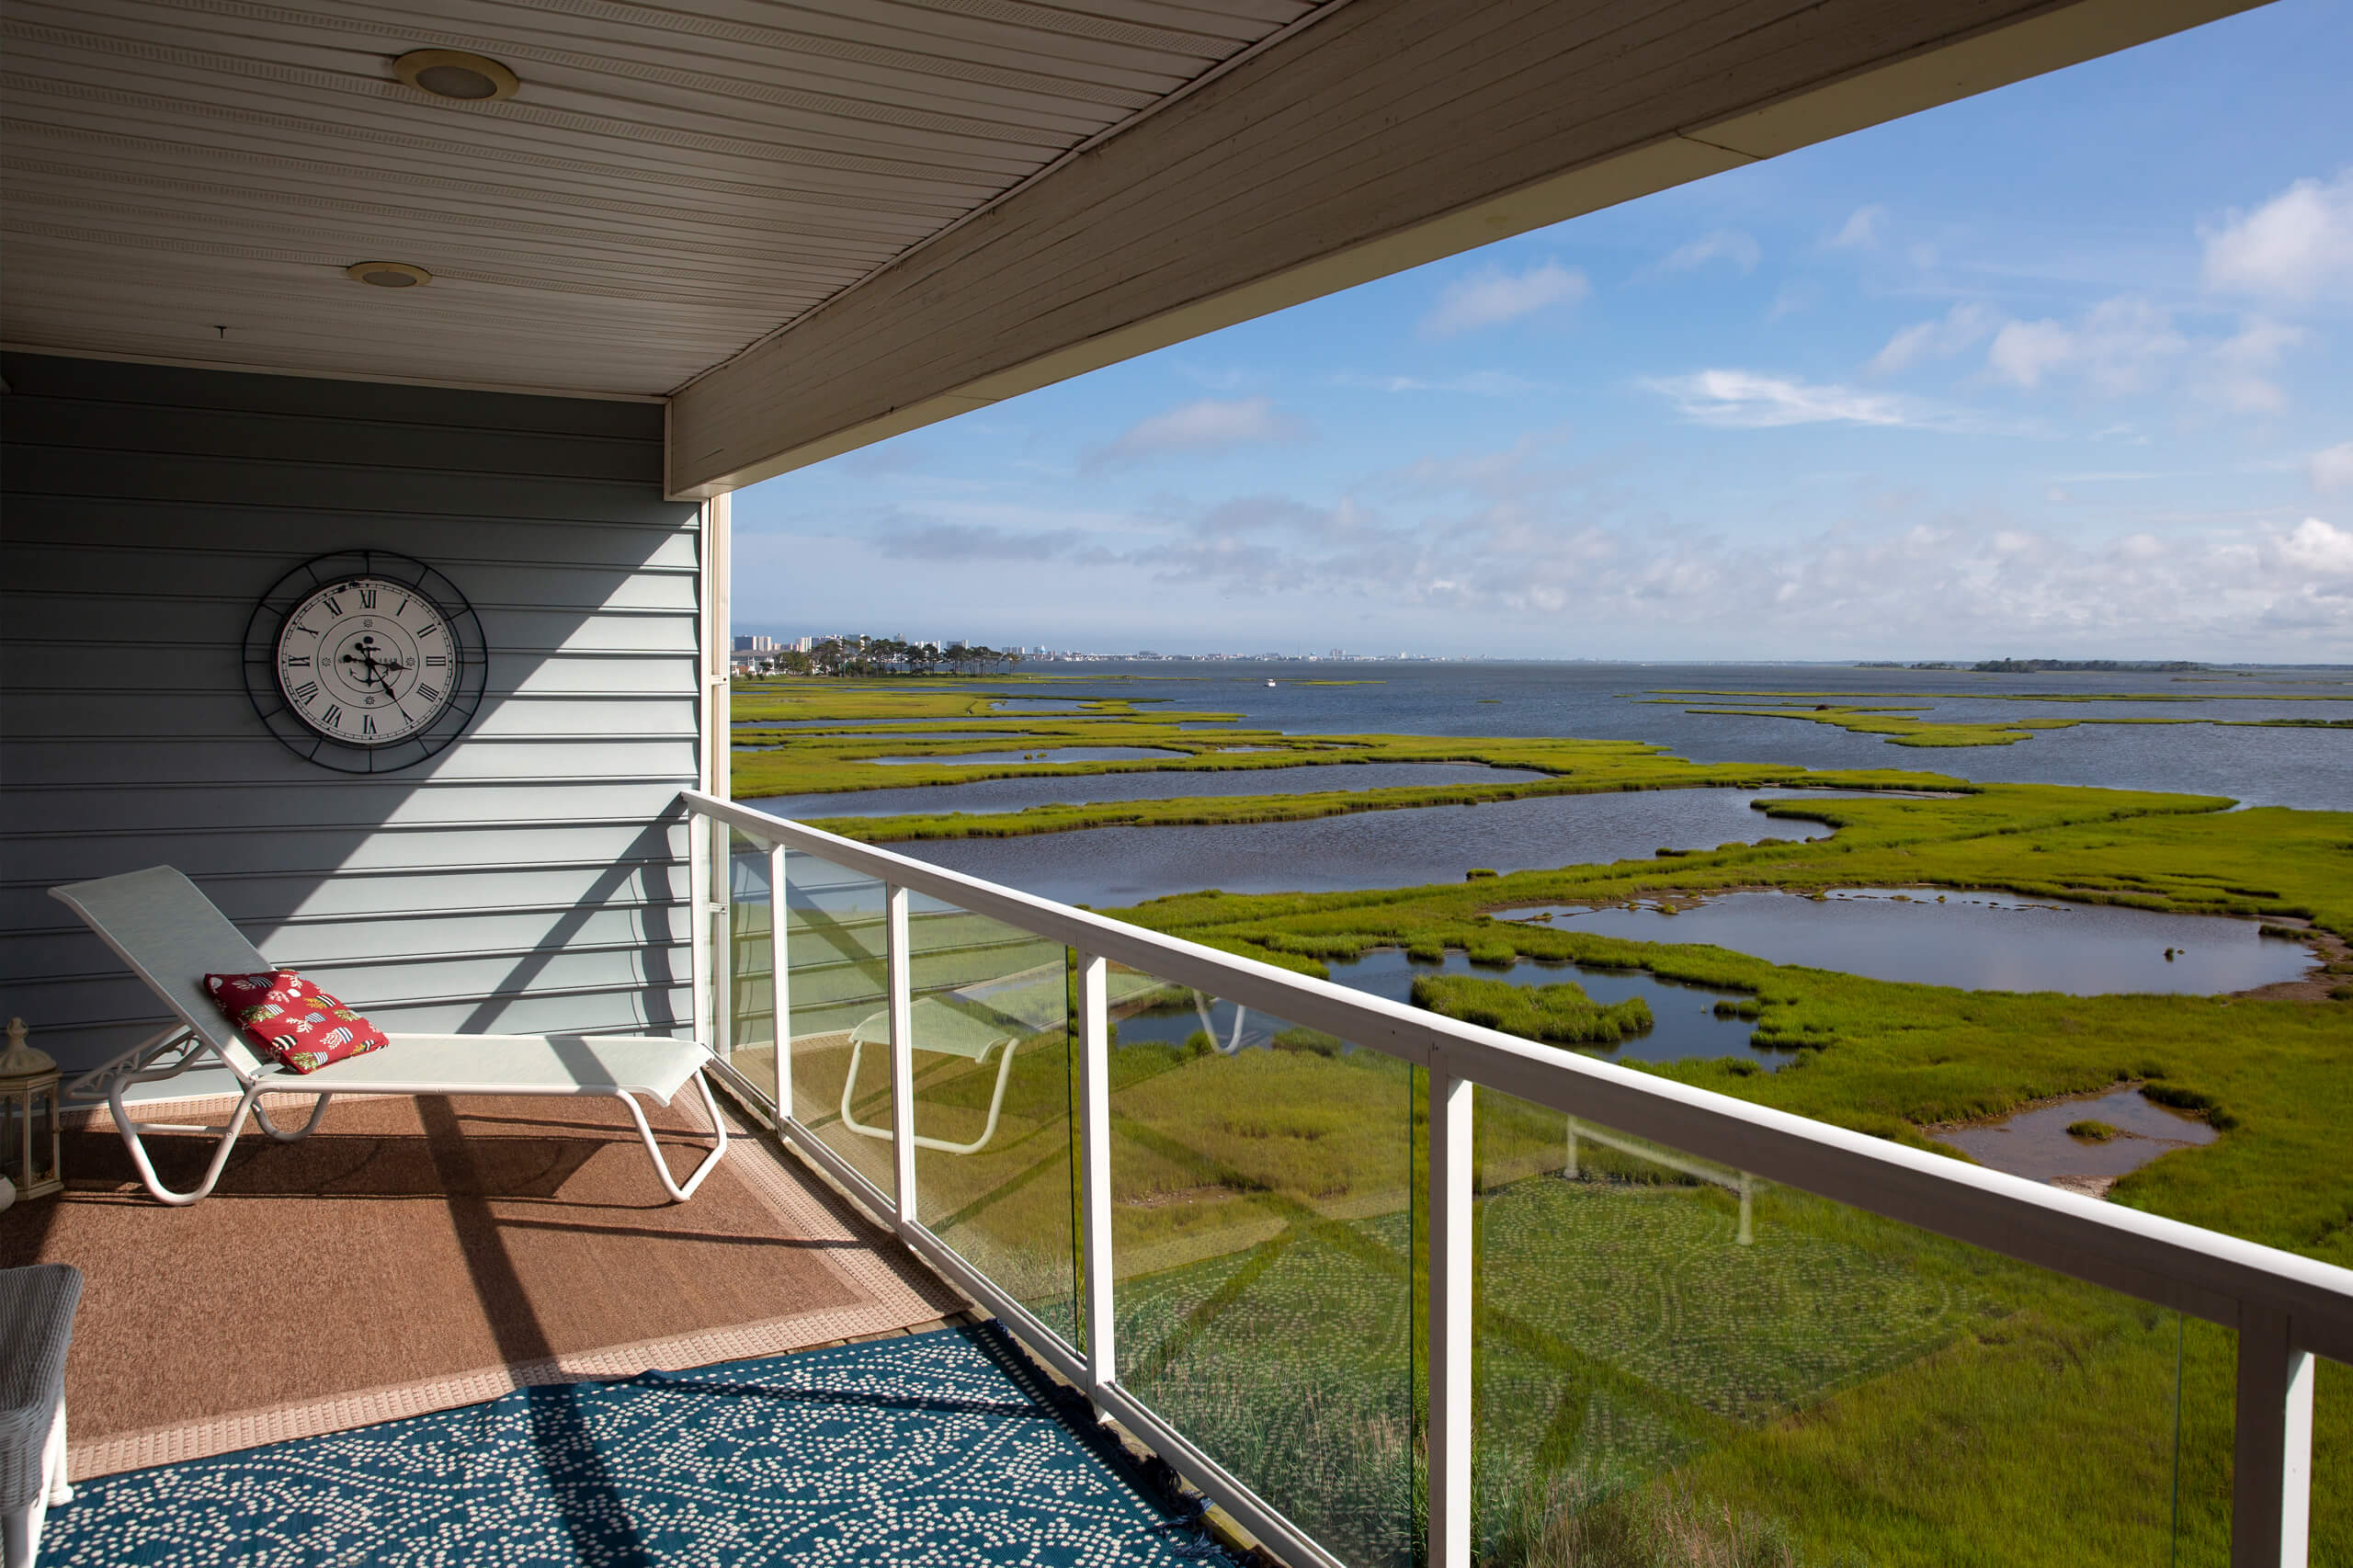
x: 2060, y: 369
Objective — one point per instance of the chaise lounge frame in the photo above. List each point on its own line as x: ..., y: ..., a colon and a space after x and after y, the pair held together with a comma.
x: 171, y: 936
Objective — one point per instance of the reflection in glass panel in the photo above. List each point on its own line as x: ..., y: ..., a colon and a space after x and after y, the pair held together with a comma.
x: 1262, y: 1227
x: 993, y: 1091
x: 835, y: 988
x: 1671, y: 1352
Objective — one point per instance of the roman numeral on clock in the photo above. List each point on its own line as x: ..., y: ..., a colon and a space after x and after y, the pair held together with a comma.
x: 367, y: 598
x: 430, y: 694
x: 367, y: 723
x: 304, y: 692
x: 334, y: 715
x: 335, y: 606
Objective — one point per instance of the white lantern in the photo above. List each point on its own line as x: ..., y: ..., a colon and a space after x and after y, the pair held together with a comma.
x: 30, y: 1140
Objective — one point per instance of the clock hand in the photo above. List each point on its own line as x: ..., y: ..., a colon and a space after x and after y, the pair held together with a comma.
x: 373, y: 669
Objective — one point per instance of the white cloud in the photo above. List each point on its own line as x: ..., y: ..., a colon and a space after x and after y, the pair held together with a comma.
x: 2243, y: 366
x: 2116, y: 347
x: 961, y: 541
x: 1961, y: 327
x: 2025, y: 351
x: 2297, y: 245
x: 1861, y: 231
x: 2319, y: 548
x: 1477, y: 384
x: 1209, y: 424
x: 1725, y: 244
x: 1746, y: 399
x: 2331, y: 469
x: 1494, y: 297
x: 1540, y: 559
x: 1529, y: 467
x: 1531, y: 557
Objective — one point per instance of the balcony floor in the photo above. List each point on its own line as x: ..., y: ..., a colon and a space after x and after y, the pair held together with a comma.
x: 371, y: 1345
x: 942, y: 1448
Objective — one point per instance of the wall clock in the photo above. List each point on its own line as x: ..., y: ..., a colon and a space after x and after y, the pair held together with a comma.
x: 365, y: 661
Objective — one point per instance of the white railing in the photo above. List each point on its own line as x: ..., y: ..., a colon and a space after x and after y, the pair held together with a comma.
x: 2285, y: 1309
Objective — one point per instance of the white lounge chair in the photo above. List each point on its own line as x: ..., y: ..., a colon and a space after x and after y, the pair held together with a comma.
x: 969, y: 1021
x: 172, y: 936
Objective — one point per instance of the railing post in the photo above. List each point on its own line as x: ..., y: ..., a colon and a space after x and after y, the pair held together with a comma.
x: 1449, y: 1319
x: 699, y: 926
x: 2271, y: 1478
x: 780, y: 979
x: 1095, y: 1166
x: 720, y: 916
x: 898, y: 970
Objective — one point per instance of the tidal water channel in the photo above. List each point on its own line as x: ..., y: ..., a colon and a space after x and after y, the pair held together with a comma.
x: 1051, y: 754
x: 1979, y: 941
x: 926, y: 736
x: 2035, y: 1143
x: 1687, y: 1025
x: 1108, y: 867
x: 993, y: 795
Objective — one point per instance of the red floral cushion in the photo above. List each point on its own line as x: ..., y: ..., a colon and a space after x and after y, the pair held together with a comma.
x: 291, y: 1021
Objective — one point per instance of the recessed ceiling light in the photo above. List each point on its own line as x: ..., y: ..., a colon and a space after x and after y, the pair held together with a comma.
x: 454, y: 73
x: 388, y: 274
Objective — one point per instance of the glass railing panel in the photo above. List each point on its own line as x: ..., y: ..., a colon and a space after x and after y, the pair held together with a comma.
x: 749, y: 994
x: 1262, y: 1232
x: 1671, y: 1352
x: 836, y: 984
x: 993, y: 1064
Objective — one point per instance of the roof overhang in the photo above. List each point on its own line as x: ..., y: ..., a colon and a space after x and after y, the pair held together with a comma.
x: 815, y: 225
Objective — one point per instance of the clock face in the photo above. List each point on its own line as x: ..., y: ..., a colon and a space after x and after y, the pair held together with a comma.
x: 366, y: 661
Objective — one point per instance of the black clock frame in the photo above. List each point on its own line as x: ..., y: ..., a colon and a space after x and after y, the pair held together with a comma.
x: 468, y: 648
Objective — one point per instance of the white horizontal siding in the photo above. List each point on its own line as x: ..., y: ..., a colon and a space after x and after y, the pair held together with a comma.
x: 529, y: 876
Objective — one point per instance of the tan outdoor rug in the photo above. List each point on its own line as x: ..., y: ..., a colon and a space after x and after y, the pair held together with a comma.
x: 417, y: 1254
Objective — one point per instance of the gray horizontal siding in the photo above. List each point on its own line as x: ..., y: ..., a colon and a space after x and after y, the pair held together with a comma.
x: 84, y: 616
x: 272, y: 532
x: 100, y: 761
x: 360, y: 805
x: 98, y: 668
x: 167, y: 387
x: 531, y: 877
x: 185, y: 575
x: 287, y: 901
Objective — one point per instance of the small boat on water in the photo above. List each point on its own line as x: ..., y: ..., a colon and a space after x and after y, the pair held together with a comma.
x: 1270, y: 683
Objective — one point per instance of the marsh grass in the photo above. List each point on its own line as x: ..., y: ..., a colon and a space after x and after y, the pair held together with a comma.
x: 1557, y: 1015
x: 1881, y: 718
x: 1557, y: 1522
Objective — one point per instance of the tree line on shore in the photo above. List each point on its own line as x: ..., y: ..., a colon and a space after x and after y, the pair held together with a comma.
x: 888, y: 656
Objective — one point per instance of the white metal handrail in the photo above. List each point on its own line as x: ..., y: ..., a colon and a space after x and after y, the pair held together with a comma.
x: 2285, y: 1308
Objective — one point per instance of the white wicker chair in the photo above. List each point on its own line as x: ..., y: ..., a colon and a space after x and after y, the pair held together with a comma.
x: 36, y: 1321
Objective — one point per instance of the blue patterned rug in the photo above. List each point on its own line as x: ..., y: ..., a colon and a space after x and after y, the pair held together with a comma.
x: 945, y: 1449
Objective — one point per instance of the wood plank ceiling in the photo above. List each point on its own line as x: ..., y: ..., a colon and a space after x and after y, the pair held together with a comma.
x: 189, y: 179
